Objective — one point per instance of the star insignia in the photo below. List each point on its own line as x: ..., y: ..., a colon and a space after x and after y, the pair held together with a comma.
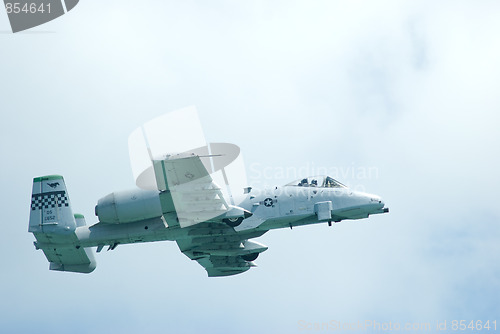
x: 268, y: 202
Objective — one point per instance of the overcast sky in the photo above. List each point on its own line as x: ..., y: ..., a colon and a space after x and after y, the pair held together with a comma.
x: 408, y: 90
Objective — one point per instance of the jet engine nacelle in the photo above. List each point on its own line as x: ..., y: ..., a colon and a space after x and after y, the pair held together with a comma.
x: 135, y: 205
x: 128, y: 206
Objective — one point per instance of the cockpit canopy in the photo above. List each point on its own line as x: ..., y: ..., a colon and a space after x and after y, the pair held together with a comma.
x: 321, y: 181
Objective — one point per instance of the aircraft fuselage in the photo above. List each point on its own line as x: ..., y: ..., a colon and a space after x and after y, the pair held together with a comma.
x: 273, y: 208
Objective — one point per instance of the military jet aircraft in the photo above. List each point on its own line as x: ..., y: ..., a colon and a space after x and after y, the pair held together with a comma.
x: 188, y: 207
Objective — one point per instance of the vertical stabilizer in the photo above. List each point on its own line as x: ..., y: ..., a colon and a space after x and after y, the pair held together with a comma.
x: 53, y: 224
x: 50, y: 206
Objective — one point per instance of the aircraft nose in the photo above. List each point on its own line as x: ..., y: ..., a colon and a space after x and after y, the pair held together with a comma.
x: 376, y: 199
x: 376, y: 204
x: 381, y: 204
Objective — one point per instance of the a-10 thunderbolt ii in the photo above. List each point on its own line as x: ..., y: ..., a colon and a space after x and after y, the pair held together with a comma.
x: 188, y: 207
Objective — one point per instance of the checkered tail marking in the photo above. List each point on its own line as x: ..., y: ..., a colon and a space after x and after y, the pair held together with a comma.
x: 49, y: 200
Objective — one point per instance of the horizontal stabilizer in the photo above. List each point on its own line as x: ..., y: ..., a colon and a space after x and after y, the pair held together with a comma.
x: 70, y: 259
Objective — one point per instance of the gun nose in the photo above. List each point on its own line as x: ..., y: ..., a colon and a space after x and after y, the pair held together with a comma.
x: 377, y: 199
x: 382, y: 205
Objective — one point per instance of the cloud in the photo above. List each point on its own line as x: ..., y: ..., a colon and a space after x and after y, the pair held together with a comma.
x: 409, y: 88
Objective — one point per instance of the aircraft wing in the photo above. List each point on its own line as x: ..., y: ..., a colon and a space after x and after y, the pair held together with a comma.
x: 187, y: 189
x: 220, y: 249
x: 190, y: 198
